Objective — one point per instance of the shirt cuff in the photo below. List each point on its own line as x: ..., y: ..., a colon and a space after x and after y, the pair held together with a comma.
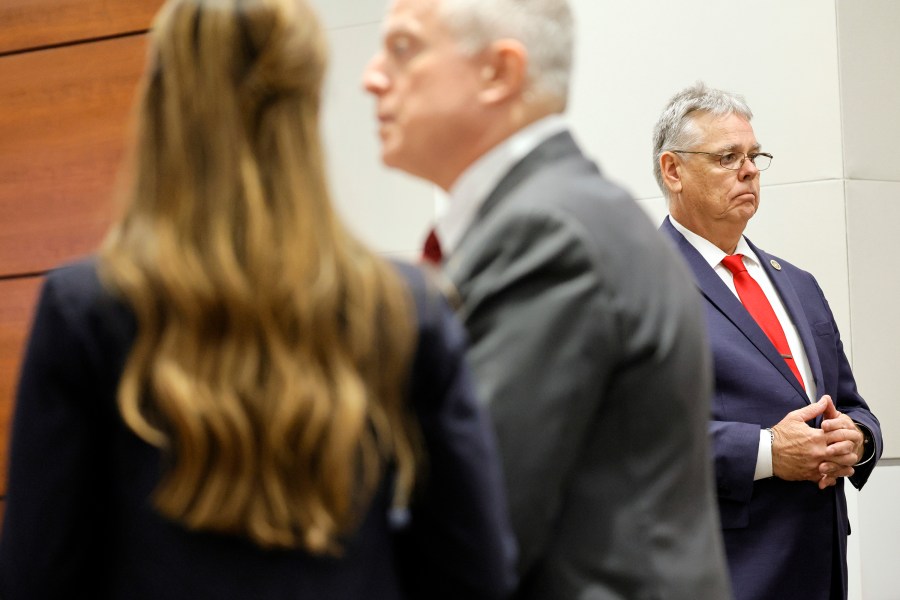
x: 868, y: 445
x: 764, y: 456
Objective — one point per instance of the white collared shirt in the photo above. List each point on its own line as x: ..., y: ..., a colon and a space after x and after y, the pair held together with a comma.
x: 476, y: 183
x: 713, y: 255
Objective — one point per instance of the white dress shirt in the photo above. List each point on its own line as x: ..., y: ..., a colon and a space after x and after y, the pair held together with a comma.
x: 714, y: 255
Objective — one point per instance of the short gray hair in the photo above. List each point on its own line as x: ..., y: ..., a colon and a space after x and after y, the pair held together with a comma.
x: 675, y: 127
x: 544, y: 27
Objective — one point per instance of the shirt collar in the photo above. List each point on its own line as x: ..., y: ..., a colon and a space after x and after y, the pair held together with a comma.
x: 476, y: 183
x: 711, y: 253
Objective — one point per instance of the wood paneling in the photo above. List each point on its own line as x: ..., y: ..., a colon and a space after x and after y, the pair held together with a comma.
x: 36, y: 23
x: 17, y: 303
x: 68, y: 74
x: 63, y: 119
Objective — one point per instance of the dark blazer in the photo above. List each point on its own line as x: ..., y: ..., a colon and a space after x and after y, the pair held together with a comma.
x: 589, y: 347
x: 784, y: 539
x: 79, y: 521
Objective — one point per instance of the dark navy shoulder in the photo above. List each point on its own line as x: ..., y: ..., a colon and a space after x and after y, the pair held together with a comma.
x: 442, y: 339
x: 91, y: 311
x: 427, y: 297
x: 77, y: 275
x: 79, y: 290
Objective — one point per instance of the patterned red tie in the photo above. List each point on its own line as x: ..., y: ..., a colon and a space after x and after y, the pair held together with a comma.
x: 756, y: 303
x: 431, y: 251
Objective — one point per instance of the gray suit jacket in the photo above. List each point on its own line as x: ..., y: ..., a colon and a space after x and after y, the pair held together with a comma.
x: 588, y: 343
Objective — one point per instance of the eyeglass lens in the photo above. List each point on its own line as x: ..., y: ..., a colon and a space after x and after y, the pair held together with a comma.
x: 734, y: 161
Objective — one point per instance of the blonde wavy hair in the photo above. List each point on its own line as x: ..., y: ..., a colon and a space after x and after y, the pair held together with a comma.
x: 272, y: 351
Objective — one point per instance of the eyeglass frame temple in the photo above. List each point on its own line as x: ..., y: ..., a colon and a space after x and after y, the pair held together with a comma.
x: 722, y: 155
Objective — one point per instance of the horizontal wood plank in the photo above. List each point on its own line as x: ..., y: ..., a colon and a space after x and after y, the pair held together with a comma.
x: 64, y: 115
x: 17, y: 304
x: 38, y: 23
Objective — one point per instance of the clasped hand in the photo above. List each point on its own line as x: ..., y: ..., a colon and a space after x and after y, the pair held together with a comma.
x: 804, y: 453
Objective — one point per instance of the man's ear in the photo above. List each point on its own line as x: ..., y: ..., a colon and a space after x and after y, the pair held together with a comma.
x: 504, y: 71
x: 670, y: 167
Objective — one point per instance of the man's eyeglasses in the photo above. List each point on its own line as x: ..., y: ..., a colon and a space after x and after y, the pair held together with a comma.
x: 733, y: 161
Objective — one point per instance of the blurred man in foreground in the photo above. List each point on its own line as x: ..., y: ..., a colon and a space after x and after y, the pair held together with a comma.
x: 586, y: 336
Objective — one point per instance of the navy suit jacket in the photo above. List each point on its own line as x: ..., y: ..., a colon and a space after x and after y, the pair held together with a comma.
x: 79, y: 521
x: 783, y: 539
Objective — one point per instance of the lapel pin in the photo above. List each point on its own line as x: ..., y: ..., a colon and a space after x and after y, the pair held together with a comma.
x: 775, y: 264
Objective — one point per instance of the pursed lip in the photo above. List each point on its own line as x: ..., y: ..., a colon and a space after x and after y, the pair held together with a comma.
x: 384, y: 124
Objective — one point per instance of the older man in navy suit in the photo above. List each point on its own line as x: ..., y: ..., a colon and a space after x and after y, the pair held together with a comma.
x: 788, y: 424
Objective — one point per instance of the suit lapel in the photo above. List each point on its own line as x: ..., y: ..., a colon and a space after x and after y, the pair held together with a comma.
x: 785, y: 288
x: 556, y: 146
x: 718, y: 294
x: 560, y: 145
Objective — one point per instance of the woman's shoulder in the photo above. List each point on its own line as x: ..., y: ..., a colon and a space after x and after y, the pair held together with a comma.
x: 432, y: 302
x: 89, y: 308
x: 417, y: 285
x: 440, y: 335
x: 77, y: 284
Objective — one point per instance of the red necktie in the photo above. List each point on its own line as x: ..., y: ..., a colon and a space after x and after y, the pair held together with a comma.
x: 431, y: 251
x: 756, y: 303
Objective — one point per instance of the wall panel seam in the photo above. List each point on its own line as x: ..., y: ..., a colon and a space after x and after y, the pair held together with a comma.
x: 14, y: 276
x: 78, y: 42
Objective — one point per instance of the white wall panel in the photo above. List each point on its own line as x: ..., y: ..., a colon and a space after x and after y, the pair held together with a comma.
x: 879, y: 534
x: 870, y: 87
x: 388, y: 209
x: 869, y: 63
x: 656, y: 208
x: 347, y: 13
x: 873, y: 211
x: 632, y: 56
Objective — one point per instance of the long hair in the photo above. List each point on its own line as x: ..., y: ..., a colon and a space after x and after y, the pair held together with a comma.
x: 272, y: 350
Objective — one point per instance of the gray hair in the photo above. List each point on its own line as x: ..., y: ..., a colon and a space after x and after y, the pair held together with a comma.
x: 675, y: 127
x: 544, y: 27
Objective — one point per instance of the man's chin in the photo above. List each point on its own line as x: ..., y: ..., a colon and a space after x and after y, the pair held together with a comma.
x: 393, y: 159
x: 744, y: 206
x: 388, y: 160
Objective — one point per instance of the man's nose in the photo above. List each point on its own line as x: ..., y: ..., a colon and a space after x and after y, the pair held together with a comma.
x: 748, y: 169
x: 375, y: 80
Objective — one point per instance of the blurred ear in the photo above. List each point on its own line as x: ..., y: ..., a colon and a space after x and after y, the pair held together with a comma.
x: 670, y: 166
x: 504, y: 71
